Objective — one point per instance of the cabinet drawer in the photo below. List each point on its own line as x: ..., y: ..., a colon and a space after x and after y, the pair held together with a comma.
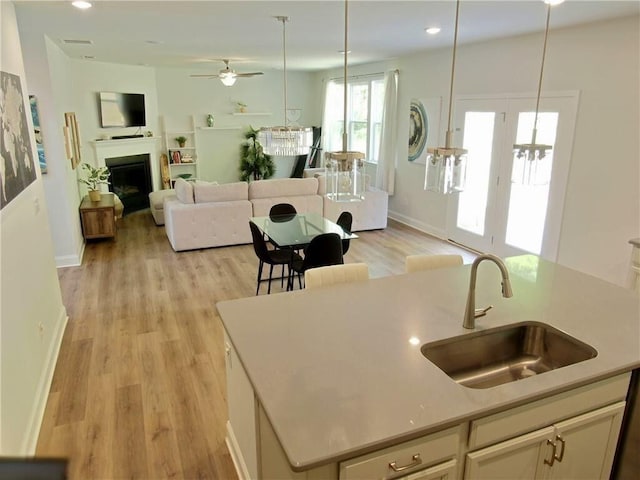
x: 541, y: 413
x: 418, y: 454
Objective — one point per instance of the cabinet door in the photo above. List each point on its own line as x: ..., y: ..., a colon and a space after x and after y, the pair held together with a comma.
x: 98, y: 223
x: 519, y: 458
x: 241, y: 427
x: 587, y: 443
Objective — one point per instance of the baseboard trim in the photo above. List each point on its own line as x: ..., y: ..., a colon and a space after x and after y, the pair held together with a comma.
x: 236, y: 454
x: 42, y: 394
x: 70, y: 260
x: 418, y: 225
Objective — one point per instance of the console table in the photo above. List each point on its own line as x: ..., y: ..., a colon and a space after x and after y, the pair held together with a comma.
x: 98, y: 218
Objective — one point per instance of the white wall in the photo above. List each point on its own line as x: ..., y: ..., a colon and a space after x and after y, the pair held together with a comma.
x: 180, y: 96
x: 90, y: 78
x: 32, y: 317
x: 49, y: 72
x: 601, y: 61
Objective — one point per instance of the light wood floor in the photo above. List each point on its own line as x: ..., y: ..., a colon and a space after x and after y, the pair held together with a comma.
x: 139, y: 386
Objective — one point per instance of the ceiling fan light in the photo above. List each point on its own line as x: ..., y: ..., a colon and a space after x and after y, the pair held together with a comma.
x: 228, y: 79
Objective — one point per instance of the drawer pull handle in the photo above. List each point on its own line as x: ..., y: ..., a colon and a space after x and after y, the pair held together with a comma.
x: 561, y: 456
x: 415, y: 461
x: 553, y: 453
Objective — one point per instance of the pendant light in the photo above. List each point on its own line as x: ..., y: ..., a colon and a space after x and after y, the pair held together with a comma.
x: 285, y: 141
x: 344, y: 168
x: 527, y: 157
x: 446, y: 166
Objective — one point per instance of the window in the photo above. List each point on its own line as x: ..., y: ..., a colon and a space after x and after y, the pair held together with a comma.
x: 365, y: 98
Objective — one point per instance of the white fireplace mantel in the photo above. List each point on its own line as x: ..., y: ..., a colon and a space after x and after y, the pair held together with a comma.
x: 104, y: 149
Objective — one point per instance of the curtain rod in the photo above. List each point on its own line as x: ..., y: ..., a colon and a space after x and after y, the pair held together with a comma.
x: 375, y: 74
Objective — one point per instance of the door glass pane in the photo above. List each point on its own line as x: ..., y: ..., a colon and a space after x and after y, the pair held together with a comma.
x: 478, y: 140
x: 528, y: 203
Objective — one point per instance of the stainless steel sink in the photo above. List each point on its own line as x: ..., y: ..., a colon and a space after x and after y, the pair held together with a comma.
x: 506, y: 354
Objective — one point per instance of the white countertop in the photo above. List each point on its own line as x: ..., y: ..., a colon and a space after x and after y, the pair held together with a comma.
x: 337, y: 376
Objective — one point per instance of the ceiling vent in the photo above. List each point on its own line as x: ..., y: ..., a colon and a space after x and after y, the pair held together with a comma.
x: 77, y: 42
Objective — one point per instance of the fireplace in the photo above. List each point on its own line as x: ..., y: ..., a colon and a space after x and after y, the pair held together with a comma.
x: 131, y: 180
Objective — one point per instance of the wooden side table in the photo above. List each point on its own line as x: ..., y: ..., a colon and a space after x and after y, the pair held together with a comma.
x: 98, y: 218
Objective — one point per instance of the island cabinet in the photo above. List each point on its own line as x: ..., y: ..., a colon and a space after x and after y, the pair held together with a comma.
x: 571, y: 434
x: 581, y: 446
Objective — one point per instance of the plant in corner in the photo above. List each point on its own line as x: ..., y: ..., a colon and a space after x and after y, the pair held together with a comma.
x: 181, y: 141
x: 95, y: 177
x: 254, y: 163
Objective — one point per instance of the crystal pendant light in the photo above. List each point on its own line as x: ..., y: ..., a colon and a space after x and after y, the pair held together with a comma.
x: 285, y: 141
x: 345, y: 169
x: 528, y: 157
x: 446, y: 166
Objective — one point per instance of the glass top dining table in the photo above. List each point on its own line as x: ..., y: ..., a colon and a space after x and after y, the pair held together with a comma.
x: 296, y: 231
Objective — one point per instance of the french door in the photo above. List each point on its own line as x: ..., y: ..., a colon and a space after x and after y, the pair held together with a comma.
x: 496, y: 213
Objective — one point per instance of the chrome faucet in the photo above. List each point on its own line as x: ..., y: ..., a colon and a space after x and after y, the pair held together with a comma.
x: 471, y: 313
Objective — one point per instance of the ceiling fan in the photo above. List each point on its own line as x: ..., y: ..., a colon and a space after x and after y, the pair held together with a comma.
x: 228, y: 76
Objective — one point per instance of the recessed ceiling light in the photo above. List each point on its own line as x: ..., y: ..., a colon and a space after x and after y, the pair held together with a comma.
x: 432, y: 30
x: 553, y: 2
x: 82, y: 5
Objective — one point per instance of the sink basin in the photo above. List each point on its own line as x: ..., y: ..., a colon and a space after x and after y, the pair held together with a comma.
x: 506, y: 354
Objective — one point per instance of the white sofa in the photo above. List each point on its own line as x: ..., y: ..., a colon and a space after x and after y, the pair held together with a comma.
x: 302, y: 193
x: 203, y: 215
x: 207, y: 215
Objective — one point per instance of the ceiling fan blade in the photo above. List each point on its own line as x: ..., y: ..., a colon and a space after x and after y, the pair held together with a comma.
x: 250, y: 74
x: 209, y: 75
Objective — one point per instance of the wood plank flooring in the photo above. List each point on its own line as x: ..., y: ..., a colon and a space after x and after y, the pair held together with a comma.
x: 139, y: 387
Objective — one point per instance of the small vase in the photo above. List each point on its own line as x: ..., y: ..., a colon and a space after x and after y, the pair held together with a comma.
x: 95, y: 195
x: 209, y: 120
x: 181, y: 144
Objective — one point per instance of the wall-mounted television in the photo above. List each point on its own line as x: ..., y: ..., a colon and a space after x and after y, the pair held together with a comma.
x: 121, y: 109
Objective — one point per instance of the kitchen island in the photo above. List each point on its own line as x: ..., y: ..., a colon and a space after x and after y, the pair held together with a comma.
x: 324, y: 381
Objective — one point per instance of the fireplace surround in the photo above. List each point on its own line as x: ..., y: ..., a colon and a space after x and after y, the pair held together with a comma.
x: 130, y: 180
x: 130, y: 147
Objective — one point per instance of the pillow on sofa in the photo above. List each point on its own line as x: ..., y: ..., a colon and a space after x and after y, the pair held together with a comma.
x: 184, y: 190
x: 212, y: 192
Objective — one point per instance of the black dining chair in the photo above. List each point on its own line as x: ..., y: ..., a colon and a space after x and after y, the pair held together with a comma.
x: 282, y: 212
x: 345, y: 220
x: 323, y: 250
x: 270, y: 257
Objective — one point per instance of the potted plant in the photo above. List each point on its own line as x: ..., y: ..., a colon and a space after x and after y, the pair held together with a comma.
x: 181, y: 140
x: 242, y: 107
x: 254, y: 163
x: 95, y: 177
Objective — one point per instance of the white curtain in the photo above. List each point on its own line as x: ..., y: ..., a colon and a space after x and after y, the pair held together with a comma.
x: 386, y: 171
x: 330, y: 118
